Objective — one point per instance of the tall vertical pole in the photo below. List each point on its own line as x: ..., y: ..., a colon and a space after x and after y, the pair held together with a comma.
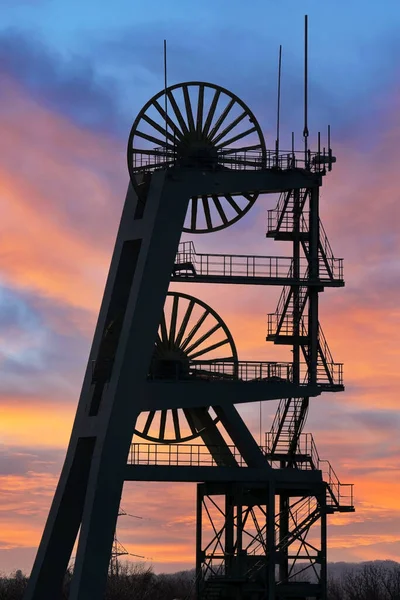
x: 271, y: 546
x: 199, y: 554
x: 165, y: 98
x: 305, y: 130
x: 229, y: 530
x: 324, y: 547
x: 313, y: 291
x: 296, y: 296
x: 283, y: 533
x: 278, y: 111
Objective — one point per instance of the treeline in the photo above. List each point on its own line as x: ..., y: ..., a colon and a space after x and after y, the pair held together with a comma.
x: 368, y: 581
x: 133, y: 582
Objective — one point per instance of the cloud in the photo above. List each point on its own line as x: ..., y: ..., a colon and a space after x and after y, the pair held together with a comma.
x: 61, y: 206
x: 67, y: 85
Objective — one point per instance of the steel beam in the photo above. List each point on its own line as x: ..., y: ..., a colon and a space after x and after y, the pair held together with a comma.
x: 189, y: 394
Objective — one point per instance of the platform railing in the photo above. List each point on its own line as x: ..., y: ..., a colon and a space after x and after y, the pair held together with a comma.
x: 316, y: 162
x: 198, y: 455
x: 189, y: 263
x: 182, y: 455
x: 223, y: 370
x: 245, y: 370
x: 338, y: 494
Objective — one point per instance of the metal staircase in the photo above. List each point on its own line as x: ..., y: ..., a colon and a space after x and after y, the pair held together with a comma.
x: 287, y: 321
x: 291, y: 448
x: 287, y: 425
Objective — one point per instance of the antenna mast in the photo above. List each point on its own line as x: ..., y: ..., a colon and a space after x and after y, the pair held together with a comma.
x: 278, y: 107
x: 165, y: 97
x: 305, y: 130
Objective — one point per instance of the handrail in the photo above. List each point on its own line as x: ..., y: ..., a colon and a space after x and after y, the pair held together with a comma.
x: 198, y: 455
x: 226, y: 370
x: 162, y: 158
x: 241, y: 265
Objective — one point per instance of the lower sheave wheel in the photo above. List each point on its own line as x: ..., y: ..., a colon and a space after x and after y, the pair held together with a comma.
x: 193, y: 343
x: 201, y: 126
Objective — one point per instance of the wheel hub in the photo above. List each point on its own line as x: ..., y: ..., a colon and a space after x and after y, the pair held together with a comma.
x: 174, y: 364
x: 193, y: 151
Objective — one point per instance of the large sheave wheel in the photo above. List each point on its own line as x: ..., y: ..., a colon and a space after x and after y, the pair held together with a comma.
x: 205, y: 127
x: 189, y: 331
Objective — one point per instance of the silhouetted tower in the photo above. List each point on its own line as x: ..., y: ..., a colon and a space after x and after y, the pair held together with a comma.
x: 164, y: 366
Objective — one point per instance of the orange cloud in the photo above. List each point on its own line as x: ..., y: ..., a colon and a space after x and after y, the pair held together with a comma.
x: 32, y: 424
x: 54, y: 186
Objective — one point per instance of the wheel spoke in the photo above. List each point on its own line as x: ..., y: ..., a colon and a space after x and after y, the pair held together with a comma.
x: 195, y: 329
x: 178, y: 113
x: 235, y: 206
x: 207, y: 213
x: 163, y: 420
x: 160, y: 346
x: 222, y: 118
x: 188, y: 106
x: 220, y: 210
x: 190, y: 420
x: 167, y: 118
x: 200, y: 108
x: 177, y: 429
x: 149, y: 421
x: 184, y: 323
x: 209, y: 348
x: 248, y: 196
x: 237, y: 137
x: 193, y: 216
x: 159, y: 128
x: 201, y: 339
x: 172, y: 328
x: 154, y: 140
x: 211, y: 113
x: 164, y: 333
x: 229, y: 127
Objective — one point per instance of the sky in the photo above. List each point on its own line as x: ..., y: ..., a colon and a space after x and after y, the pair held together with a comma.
x: 73, y: 77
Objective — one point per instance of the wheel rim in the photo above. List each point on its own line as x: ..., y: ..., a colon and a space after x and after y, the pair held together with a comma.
x: 189, y: 330
x: 207, y: 128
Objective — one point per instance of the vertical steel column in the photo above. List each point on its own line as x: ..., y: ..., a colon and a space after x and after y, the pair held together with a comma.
x: 239, y: 527
x: 271, y: 545
x: 313, y: 249
x: 283, y: 532
x: 199, y: 552
x: 296, y: 289
x: 324, y: 546
x: 229, y: 530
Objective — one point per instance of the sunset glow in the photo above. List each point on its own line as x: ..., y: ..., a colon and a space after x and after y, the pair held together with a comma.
x: 63, y: 182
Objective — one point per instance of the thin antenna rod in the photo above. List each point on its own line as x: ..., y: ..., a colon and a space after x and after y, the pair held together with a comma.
x: 165, y: 98
x: 278, y: 106
x: 305, y: 130
x: 293, y: 157
x: 329, y: 149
